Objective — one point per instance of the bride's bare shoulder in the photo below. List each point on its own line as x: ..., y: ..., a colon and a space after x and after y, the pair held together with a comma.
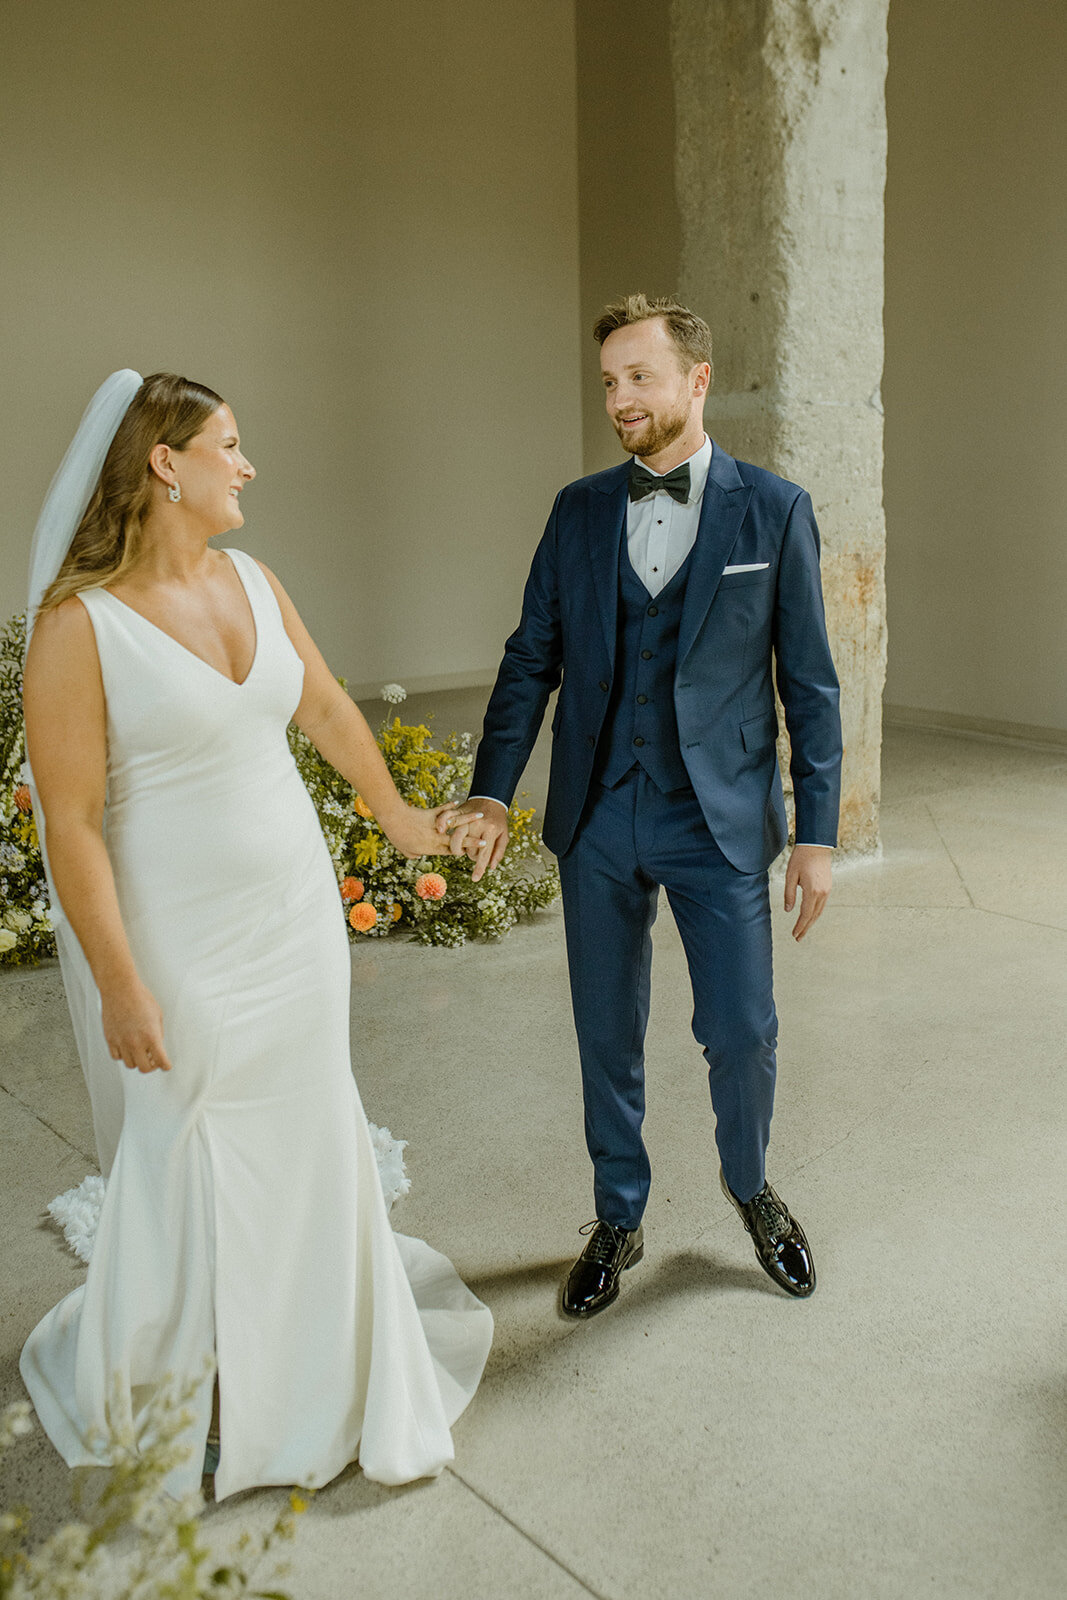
x: 63, y: 639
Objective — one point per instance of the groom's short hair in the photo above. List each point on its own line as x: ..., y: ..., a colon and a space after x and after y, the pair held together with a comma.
x: 690, y: 333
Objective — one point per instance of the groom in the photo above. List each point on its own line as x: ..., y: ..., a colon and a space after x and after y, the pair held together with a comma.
x: 670, y: 593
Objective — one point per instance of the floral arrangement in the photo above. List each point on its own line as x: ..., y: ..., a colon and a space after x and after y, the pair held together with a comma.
x: 25, y: 927
x: 433, y: 899
x: 135, y: 1542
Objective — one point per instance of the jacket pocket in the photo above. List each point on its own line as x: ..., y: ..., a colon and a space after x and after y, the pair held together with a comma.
x: 759, y: 732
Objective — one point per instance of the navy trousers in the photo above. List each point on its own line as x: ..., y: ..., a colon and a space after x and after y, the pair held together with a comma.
x: 632, y: 840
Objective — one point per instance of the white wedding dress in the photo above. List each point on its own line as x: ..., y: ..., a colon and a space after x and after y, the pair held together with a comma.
x: 243, y: 1222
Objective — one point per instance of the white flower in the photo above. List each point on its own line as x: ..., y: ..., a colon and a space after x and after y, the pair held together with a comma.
x: 39, y: 908
x: 14, y: 1422
x: 394, y: 693
x: 8, y: 940
x: 19, y: 920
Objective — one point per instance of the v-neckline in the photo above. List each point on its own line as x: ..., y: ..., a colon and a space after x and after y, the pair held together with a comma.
x: 237, y: 684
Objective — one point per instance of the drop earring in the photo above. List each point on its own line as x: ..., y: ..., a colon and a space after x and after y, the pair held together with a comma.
x: 174, y: 492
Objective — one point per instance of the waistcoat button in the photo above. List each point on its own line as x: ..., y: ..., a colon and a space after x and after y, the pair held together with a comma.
x: 589, y: 739
x: 642, y: 699
x: 639, y: 740
x: 653, y: 611
x: 646, y: 655
x: 604, y: 686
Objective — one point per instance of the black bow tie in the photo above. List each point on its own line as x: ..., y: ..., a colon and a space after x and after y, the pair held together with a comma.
x: 643, y: 482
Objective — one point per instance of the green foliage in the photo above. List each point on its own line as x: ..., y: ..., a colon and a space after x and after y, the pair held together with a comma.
x: 26, y: 934
x: 425, y: 774
x: 132, y: 1540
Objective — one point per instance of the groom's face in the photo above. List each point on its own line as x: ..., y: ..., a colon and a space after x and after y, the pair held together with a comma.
x: 647, y: 389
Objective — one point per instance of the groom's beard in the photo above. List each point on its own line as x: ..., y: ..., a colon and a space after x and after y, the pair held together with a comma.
x: 656, y: 434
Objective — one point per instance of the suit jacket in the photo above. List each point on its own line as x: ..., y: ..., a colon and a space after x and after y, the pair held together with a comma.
x: 733, y: 626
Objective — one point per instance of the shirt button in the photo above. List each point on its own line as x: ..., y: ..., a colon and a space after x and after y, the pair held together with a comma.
x: 639, y: 740
x: 646, y: 655
x: 642, y: 699
x: 604, y: 686
x: 653, y: 611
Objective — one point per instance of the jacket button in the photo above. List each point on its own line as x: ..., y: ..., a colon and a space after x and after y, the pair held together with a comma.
x: 589, y: 739
x: 653, y: 611
x: 646, y: 655
x: 642, y: 699
x: 604, y: 686
x: 639, y: 740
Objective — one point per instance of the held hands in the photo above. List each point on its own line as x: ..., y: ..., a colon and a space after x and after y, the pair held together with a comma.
x: 809, y: 870
x: 133, y: 1028
x: 414, y: 832
x: 479, y: 828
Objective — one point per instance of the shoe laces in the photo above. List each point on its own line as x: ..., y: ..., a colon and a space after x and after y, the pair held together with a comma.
x: 605, y: 1241
x: 775, y: 1217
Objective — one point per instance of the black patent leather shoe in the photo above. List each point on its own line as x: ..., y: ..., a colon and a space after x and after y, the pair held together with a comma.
x: 594, y: 1279
x: 781, y: 1248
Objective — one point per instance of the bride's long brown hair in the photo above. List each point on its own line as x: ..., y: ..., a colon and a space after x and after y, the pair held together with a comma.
x: 166, y: 409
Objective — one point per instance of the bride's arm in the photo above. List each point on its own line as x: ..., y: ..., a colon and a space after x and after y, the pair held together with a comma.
x: 66, y: 739
x: 339, y: 731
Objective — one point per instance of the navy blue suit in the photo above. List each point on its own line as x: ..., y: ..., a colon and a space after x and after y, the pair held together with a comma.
x: 700, y: 809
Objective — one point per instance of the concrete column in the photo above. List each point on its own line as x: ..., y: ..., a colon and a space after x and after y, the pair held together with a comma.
x: 780, y: 174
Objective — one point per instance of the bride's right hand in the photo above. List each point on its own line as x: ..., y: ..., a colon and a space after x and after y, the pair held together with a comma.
x: 133, y: 1028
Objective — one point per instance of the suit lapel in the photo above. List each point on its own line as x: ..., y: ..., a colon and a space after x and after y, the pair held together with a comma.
x: 604, y: 530
x: 722, y: 512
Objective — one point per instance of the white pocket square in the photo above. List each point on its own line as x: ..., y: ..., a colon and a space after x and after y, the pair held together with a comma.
x: 750, y: 566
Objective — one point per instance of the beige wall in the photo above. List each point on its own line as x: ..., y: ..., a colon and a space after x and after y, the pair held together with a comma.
x: 630, y: 232
x: 358, y: 221
x: 976, y: 360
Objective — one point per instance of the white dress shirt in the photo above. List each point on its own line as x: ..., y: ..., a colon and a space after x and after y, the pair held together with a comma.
x: 661, y: 531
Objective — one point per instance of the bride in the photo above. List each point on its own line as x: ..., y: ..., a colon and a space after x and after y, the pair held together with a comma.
x: 243, y: 1242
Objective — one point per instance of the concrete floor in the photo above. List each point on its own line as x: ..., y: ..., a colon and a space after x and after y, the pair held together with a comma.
x: 902, y: 1434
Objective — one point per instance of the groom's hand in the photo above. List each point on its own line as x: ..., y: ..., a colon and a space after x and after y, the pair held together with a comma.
x: 809, y: 870
x: 478, y: 828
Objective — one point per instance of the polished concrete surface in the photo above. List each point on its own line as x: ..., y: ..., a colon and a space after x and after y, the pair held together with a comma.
x: 901, y: 1434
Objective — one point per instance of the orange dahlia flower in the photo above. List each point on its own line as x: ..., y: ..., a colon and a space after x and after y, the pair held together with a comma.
x: 351, y: 889
x: 431, y: 886
x: 363, y: 917
x: 362, y: 809
x: 23, y: 798
x: 398, y: 911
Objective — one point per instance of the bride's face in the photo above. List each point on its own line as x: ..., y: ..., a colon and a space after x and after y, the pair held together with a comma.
x: 212, y: 471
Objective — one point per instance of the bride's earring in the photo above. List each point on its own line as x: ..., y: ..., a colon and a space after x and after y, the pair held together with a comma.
x: 174, y: 492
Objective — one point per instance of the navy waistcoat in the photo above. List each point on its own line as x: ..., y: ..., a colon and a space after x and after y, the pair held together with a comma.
x: 641, y: 727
